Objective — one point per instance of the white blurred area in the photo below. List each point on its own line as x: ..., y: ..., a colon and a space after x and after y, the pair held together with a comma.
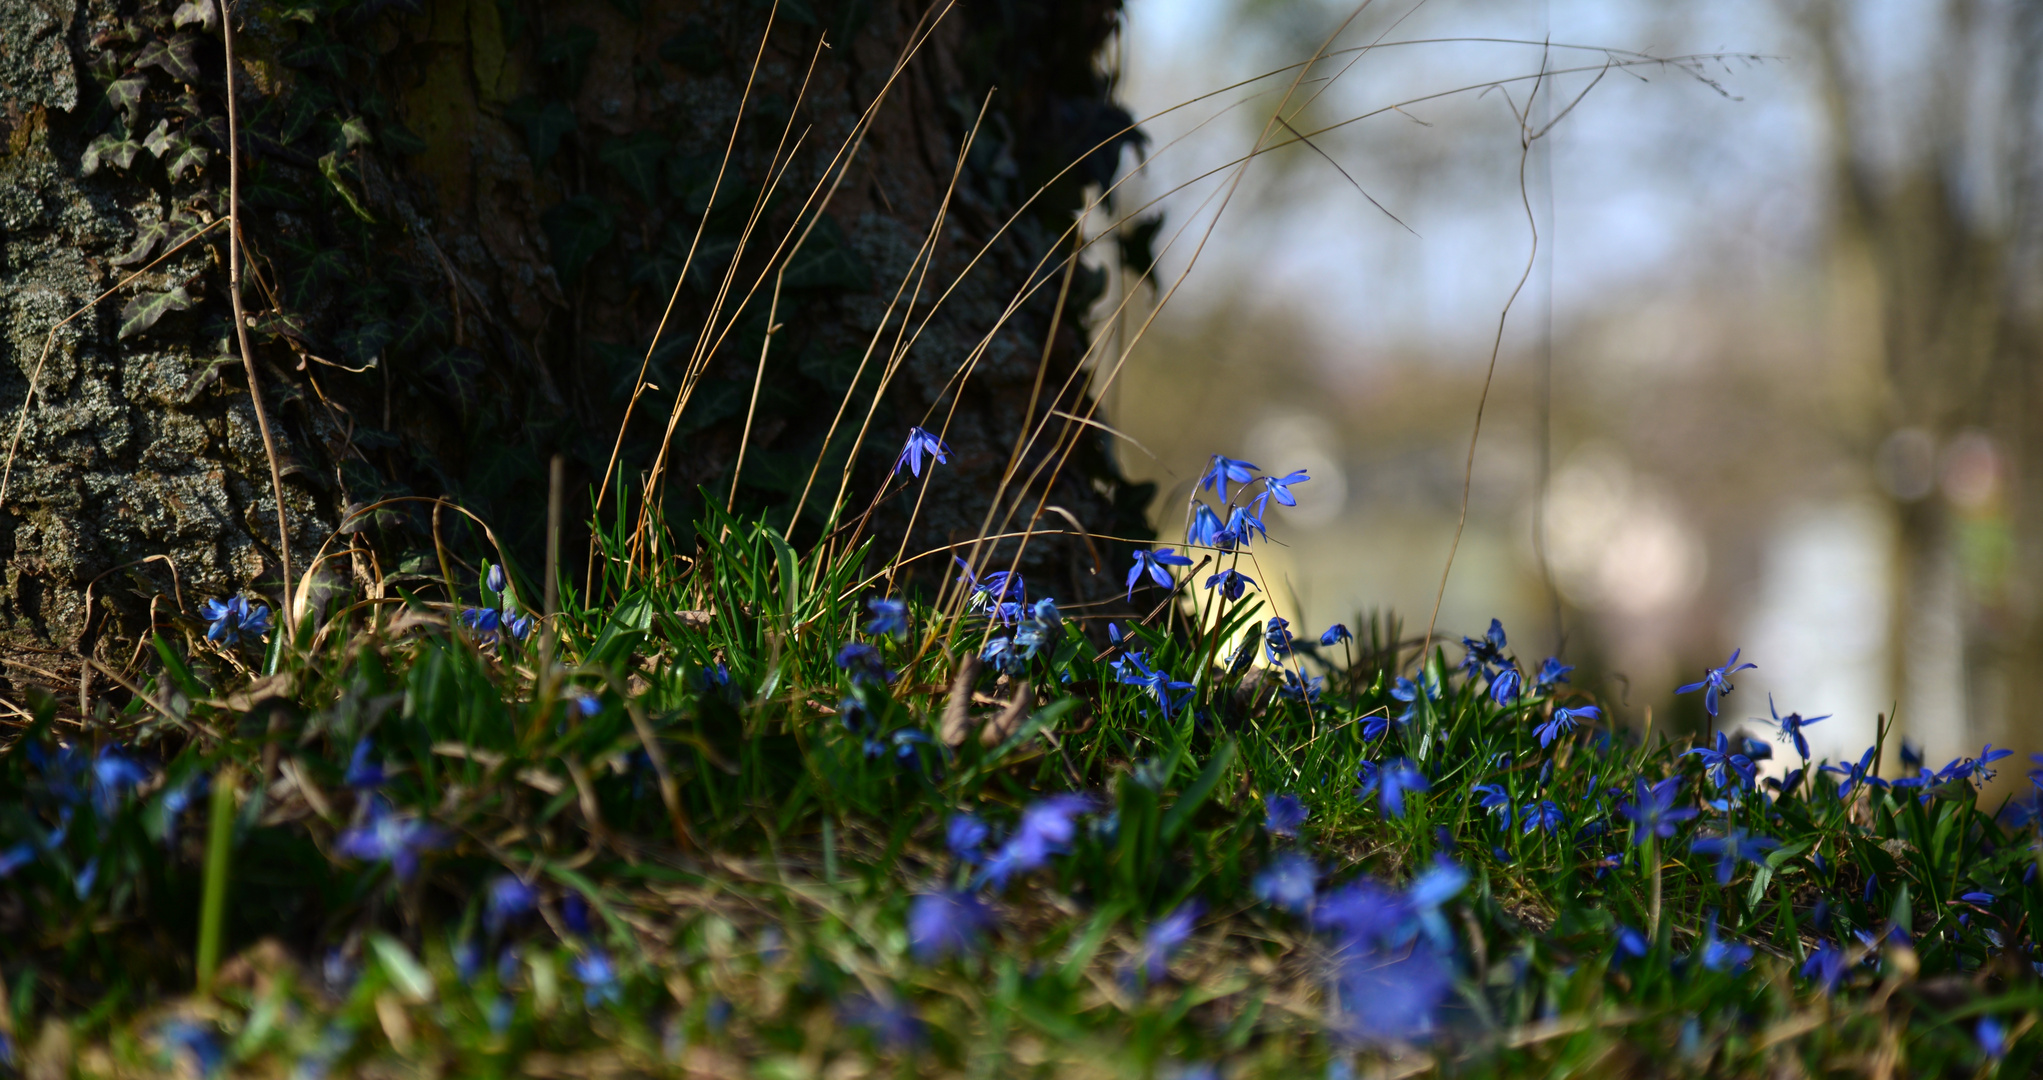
x: 1690, y: 443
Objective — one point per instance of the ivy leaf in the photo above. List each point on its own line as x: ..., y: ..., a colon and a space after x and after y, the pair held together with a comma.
x: 125, y: 94
x: 827, y: 261
x: 637, y: 160
x: 330, y: 167
x: 115, y: 146
x: 424, y: 321
x: 399, y: 140
x: 147, y: 236
x: 178, y: 57
x: 695, y: 49
x: 159, y: 141
x: 577, y: 229
x: 545, y: 124
x: 201, y: 12
x: 191, y: 158
x: 147, y: 309
x: 322, y: 53
x: 355, y: 131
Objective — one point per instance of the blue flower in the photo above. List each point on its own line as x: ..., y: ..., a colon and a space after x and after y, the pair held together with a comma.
x: 1001, y: 655
x: 1732, y: 847
x: 1231, y: 583
x: 864, y: 663
x: 1223, y: 469
x: 1828, y: 965
x: 1046, y: 829
x: 1992, y: 1036
x: 943, y: 923
x: 1392, y: 780
x: 183, y: 1036
x: 233, y: 618
x: 965, y: 835
x: 1721, y: 955
x: 1631, y: 943
x: 1544, y: 815
x: 1791, y: 727
x: 1336, y: 632
x: 598, y: 977
x: 386, y: 836
x: 1552, y: 672
x: 1137, y: 672
x: 1654, y: 813
x: 112, y: 774
x: 1506, y: 684
x: 490, y: 623
x: 993, y: 592
x: 1154, y: 564
x: 1166, y: 937
x: 507, y: 901
x: 1288, y: 883
x: 1206, y: 529
x: 1041, y: 627
x: 1241, y: 527
x: 1279, y: 487
x: 1723, y: 761
x: 892, y: 1024
x: 1407, y: 691
x: 921, y: 442
x: 890, y: 617
x: 1563, y: 722
x: 1494, y: 798
x: 1716, y: 682
x: 1857, y: 774
x: 365, y: 771
x: 1489, y: 650
x: 1283, y: 814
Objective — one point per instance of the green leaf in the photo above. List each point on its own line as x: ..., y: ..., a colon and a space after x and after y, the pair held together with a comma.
x: 147, y: 309
x: 115, y: 146
x: 545, y: 124
x: 199, y: 12
x: 637, y: 160
x: 331, y: 168
x: 399, y: 139
x: 826, y: 261
x: 1181, y: 812
x: 577, y: 229
x: 160, y: 141
x: 695, y: 48
x: 355, y: 132
x: 178, y: 57
x: 406, y: 973
x: 147, y: 236
x: 190, y: 159
x: 125, y: 94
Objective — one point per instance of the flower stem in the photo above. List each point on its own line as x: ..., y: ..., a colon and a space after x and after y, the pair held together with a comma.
x: 213, y: 905
x: 1653, y: 897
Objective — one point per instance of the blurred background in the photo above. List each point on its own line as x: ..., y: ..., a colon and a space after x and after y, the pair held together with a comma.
x: 1768, y: 384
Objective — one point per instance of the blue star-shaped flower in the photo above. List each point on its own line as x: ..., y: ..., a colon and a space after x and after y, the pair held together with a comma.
x: 234, y: 617
x: 1716, y: 682
x: 1232, y: 583
x: 1223, y: 469
x: 1155, y: 564
x: 921, y: 442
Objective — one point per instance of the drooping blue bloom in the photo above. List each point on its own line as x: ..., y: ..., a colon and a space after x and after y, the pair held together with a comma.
x: 1506, y: 684
x: 1279, y: 487
x: 489, y: 624
x: 921, y: 442
x: 1721, y: 763
x: 1288, y: 883
x: 1828, y: 965
x: 1654, y: 813
x: 863, y: 662
x: 1857, y: 773
x: 1225, y: 469
x: 1716, y: 681
x: 365, y: 770
x: 1721, y: 955
x: 966, y: 836
x: 1165, y: 937
x: 943, y: 923
x: 1001, y: 655
x: 1563, y: 721
x: 1206, y: 529
x: 1631, y: 943
x: 1043, y: 626
x: 1391, y: 781
x: 1992, y: 1036
x: 1407, y: 691
x: 1731, y: 847
x: 598, y: 977
x: 1335, y: 633
x: 1754, y: 749
x: 1137, y: 672
x: 1283, y: 814
x: 891, y: 1023
x: 995, y: 592
x: 387, y: 836
x: 1277, y: 637
x: 1987, y: 757
x: 1242, y: 526
x: 1544, y: 815
x: 1791, y: 727
x: 1488, y: 650
x: 199, y: 1044
x: 15, y: 858
x: 1156, y: 564
x: 508, y: 901
x: 468, y: 959
x: 1046, y: 829
x: 1552, y: 673
x: 113, y: 774
x: 1231, y: 582
x: 1494, y: 798
x: 890, y: 617
x: 234, y: 617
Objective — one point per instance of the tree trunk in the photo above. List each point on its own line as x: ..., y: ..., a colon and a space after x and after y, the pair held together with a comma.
x: 464, y: 220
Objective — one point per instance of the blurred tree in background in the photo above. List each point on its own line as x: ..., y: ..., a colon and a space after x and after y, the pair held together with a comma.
x: 464, y: 220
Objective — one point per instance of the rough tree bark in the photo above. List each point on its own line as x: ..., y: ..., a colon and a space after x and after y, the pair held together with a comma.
x: 464, y: 219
